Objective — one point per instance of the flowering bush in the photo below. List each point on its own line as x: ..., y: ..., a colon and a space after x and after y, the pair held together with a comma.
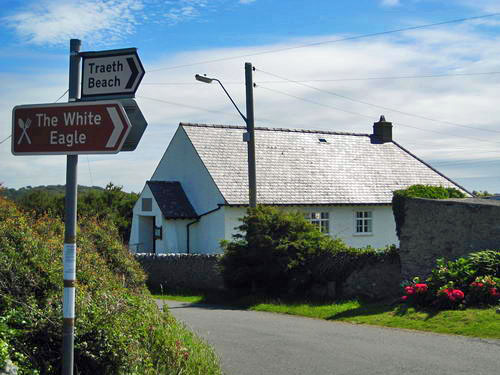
x: 484, y: 290
x: 416, y: 293
x: 458, y: 284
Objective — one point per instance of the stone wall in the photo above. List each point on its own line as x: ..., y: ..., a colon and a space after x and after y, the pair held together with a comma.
x: 181, y: 271
x: 375, y: 281
x: 449, y: 229
x: 170, y: 272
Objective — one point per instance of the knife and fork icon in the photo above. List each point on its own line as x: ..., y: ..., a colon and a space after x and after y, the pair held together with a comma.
x: 24, y: 125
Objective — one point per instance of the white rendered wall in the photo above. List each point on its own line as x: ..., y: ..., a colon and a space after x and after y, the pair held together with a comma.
x: 135, y: 232
x: 342, y: 223
x: 205, y: 236
x: 181, y: 163
x: 175, y: 236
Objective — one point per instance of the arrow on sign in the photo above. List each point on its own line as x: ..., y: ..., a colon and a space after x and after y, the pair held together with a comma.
x: 135, y: 72
x: 118, y: 127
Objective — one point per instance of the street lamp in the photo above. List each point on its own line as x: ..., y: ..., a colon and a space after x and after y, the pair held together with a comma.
x: 249, y: 136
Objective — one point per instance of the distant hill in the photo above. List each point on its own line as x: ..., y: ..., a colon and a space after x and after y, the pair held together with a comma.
x: 16, y: 194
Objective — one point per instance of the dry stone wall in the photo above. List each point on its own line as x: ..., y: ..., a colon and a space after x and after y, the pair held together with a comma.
x: 449, y: 229
x: 181, y: 271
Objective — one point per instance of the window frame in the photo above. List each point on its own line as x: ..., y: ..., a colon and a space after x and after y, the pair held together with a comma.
x: 364, y: 221
x: 319, y: 218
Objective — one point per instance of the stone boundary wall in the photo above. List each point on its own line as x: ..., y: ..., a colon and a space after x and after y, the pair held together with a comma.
x: 449, y: 228
x: 170, y: 272
x: 181, y: 271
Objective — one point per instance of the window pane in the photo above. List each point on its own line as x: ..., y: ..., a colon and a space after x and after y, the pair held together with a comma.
x: 147, y: 204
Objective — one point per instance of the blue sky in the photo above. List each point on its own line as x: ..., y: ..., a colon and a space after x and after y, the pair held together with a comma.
x: 438, y: 85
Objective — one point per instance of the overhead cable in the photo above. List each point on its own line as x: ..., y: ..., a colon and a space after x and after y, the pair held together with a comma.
x: 355, y: 37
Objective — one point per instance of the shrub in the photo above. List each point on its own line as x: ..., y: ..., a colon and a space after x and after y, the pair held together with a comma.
x: 469, y: 281
x: 119, y: 329
x: 419, y: 191
x: 280, y: 252
x: 274, y: 244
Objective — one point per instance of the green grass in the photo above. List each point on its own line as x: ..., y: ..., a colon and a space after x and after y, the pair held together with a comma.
x: 484, y: 323
x: 180, y: 298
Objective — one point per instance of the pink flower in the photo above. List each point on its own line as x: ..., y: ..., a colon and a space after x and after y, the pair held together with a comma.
x: 404, y: 298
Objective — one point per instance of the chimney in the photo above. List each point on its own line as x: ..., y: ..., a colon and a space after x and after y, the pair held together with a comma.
x: 382, y: 130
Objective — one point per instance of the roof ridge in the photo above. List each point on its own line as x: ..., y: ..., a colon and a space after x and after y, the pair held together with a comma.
x: 287, y: 130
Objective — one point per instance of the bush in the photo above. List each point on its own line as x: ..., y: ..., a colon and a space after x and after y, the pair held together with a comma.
x: 470, y: 281
x: 419, y: 191
x: 281, y: 252
x: 119, y: 329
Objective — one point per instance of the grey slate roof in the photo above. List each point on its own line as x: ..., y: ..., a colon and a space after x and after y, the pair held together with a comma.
x: 295, y: 168
x: 172, y: 200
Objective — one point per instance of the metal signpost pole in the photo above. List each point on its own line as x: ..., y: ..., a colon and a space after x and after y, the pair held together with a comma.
x: 69, y: 253
x: 252, y: 180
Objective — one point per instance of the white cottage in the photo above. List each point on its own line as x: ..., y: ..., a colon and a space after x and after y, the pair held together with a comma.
x: 343, y: 182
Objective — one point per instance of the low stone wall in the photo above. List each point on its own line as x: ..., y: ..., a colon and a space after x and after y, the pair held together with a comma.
x: 449, y: 229
x: 170, y: 272
x: 375, y: 281
x: 181, y: 271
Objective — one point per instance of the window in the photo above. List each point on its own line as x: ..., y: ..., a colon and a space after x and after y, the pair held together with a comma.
x: 320, y: 219
x: 147, y: 204
x: 364, y: 222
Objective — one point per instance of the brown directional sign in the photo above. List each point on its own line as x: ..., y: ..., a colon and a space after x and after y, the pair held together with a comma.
x: 69, y: 128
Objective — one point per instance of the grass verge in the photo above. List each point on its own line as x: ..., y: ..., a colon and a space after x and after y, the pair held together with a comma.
x: 484, y: 323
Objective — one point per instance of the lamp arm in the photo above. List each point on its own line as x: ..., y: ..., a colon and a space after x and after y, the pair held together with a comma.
x: 232, y: 101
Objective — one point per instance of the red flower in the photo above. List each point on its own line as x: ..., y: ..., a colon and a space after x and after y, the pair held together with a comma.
x: 477, y: 285
x: 404, y: 298
x: 494, y: 292
x: 457, y: 294
x: 421, y: 288
x: 410, y: 290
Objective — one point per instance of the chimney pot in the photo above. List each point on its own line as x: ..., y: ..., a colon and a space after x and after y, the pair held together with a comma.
x: 382, y: 130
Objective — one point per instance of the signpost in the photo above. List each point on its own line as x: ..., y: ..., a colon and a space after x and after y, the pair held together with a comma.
x: 111, y: 73
x: 83, y: 126
x: 69, y: 128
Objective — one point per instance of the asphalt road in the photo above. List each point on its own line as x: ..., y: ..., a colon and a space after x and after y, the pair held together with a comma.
x: 253, y: 343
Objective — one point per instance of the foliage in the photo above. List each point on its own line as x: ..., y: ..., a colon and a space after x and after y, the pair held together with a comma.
x: 119, y: 329
x: 481, y: 193
x: 279, y: 251
x: 111, y: 202
x: 419, y: 191
x: 470, y: 281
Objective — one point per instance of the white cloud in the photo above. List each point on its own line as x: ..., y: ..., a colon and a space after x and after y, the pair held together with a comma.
x: 489, y: 6
x: 56, y: 21
x: 390, y: 3
x: 467, y: 100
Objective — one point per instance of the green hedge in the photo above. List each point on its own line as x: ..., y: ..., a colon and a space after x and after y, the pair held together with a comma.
x: 419, y: 191
x: 119, y: 329
x: 279, y: 252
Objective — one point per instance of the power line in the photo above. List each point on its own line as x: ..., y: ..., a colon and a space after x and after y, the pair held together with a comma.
x: 376, y: 105
x: 458, y: 20
x: 371, y: 117
x: 54, y: 102
x: 61, y: 96
x: 5, y: 139
x: 334, y: 80
x: 462, y: 162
